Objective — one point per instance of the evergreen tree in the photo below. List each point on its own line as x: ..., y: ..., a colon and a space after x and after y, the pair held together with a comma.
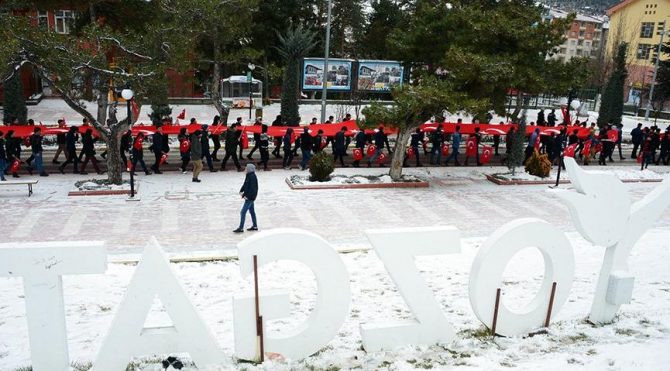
x: 158, y: 96
x: 385, y: 18
x: 515, y: 157
x: 293, y: 47
x: 14, y: 105
x: 662, y: 90
x: 611, y: 106
x: 347, y: 24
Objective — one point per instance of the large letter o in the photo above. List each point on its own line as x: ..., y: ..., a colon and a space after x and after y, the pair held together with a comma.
x: 490, y: 263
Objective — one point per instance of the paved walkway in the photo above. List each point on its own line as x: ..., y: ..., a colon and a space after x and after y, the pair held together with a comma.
x: 188, y: 217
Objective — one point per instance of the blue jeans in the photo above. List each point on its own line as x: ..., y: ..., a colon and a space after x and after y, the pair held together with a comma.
x: 38, y: 162
x: 306, y: 156
x: 436, y: 155
x: 248, y: 205
x: 378, y: 152
x: 3, y: 165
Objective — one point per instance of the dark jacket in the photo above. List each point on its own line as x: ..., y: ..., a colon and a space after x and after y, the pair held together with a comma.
x: 360, y: 139
x: 3, y: 154
x: 316, y: 143
x: 36, y: 143
x: 551, y: 119
x: 437, y: 138
x: 339, y: 142
x: 196, y: 147
x: 636, y: 135
x: 232, y: 140
x: 71, y: 139
x: 249, y: 189
x: 380, y: 139
x: 306, y: 142
x: 416, y: 139
x: 125, y: 142
x: 60, y: 138
x: 204, y: 143
x: 87, y: 141
x: 287, y: 142
x: 158, y: 142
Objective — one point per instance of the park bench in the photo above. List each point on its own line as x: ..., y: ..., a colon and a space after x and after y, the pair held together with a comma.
x: 28, y: 182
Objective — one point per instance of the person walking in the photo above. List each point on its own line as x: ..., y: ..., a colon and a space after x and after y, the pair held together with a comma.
x: 216, y: 137
x: 416, y: 138
x: 258, y: 124
x: 249, y: 192
x: 277, y: 140
x: 288, y: 152
x: 456, y: 138
x: 380, y: 140
x: 60, y: 141
x: 306, y: 142
x: 196, y: 153
x: 540, y: 118
x: 36, y: 148
x: 124, y: 146
x: 157, y: 148
x: 477, y: 137
x: 264, y: 147
x: 231, y: 142
x: 360, y: 141
x: 185, y: 149
x: 71, y: 139
x: 204, y: 144
x: 647, y: 153
x: 339, y: 145
x: 531, y: 145
x: 138, y: 154
x: 551, y: 118
x: 88, y: 150
x: 636, y: 137
x: 3, y: 157
x: 436, y: 139
x: 665, y: 149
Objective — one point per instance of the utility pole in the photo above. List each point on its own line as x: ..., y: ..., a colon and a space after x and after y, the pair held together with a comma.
x: 324, y: 92
x: 653, y: 79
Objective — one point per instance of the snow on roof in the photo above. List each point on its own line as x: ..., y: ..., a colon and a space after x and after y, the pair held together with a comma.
x: 239, y: 78
x: 557, y: 13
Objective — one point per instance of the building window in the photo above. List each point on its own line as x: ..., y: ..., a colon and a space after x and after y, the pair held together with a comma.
x: 573, y: 42
x: 643, y: 51
x: 580, y: 42
x: 647, y: 30
x: 43, y: 19
x: 64, y: 20
x: 581, y: 33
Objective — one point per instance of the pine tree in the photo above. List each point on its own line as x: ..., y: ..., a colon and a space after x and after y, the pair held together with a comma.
x: 14, y: 105
x: 158, y: 96
x: 662, y: 90
x: 611, y: 106
x: 293, y: 47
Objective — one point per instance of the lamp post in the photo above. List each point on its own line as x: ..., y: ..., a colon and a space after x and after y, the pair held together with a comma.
x: 324, y: 92
x: 250, y: 79
x: 128, y: 94
x: 653, y: 79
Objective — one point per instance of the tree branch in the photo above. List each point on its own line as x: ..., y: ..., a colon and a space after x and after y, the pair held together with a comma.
x: 126, y: 50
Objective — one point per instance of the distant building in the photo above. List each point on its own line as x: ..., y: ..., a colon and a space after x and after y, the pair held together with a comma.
x: 640, y: 23
x: 585, y: 37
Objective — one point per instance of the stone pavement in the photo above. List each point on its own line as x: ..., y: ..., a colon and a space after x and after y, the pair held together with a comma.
x: 188, y: 217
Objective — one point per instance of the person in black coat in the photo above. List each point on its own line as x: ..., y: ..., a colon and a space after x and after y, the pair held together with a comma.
x: 204, y: 144
x: 288, y: 151
x: 316, y: 145
x: 249, y: 192
x: 278, y: 140
x: 216, y: 138
x: 306, y: 142
x: 12, y: 150
x: 339, y: 145
x: 138, y: 154
x: 157, y: 147
x: 88, y: 150
x: 257, y: 138
x: 232, y: 140
x: 3, y: 158
x: 60, y: 140
x: 436, y: 139
x: 636, y: 137
x: 380, y: 139
x: 416, y: 139
x: 71, y: 139
x: 360, y: 140
x: 551, y: 118
x: 264, y: 147
x: 37, y: 150
x: 124, y: 147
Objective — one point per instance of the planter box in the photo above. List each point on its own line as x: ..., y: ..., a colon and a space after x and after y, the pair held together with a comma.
x: 416, y: 184
x: 500, y: 181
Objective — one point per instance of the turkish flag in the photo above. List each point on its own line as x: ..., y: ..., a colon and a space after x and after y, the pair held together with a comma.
x: 410, y: 152
x: 185, y: 146
x: 586, y: 151
x: 599, y: 147
x: 182, y: 115
x: 613, y: 135
x: 381, y: 158
x: 445, y: 149
x: 487, y: 152
x: 15, y: 166
x: 164, y: 158
x: 471, y: 147
x: 371, y: 150
x: 570, y: 150
x: 324, y: 142
x: 358, y: 154
x: 244, y: 140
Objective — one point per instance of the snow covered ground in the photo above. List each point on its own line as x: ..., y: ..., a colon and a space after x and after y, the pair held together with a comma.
x: 192, y: 219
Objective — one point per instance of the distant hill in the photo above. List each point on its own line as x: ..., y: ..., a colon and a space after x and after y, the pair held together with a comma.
x: 591, y: 7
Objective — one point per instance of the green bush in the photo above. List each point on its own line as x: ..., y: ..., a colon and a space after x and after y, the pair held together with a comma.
x: 538, y: 165
x: 320, y: 167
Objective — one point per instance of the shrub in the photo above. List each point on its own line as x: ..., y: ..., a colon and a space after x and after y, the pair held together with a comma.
x: 538, y: 165
x: 320, y: 167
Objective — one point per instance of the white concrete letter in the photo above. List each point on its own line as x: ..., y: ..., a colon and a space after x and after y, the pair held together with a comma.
x: 332, y: 298
x: 42, y: 266
x: 489, y: 266
x: 602, y: 212
x: 128, y: 337
x: 397, y: 248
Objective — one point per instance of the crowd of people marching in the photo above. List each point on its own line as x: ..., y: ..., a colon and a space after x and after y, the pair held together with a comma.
x: 202, y: 147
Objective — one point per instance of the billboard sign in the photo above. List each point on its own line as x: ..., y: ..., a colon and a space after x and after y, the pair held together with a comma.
x: 339, y: 74
x: 379, y: 76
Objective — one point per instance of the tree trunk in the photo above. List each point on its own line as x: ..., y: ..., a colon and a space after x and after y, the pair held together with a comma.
x: 103, y: 101
x: 265, y: 76
x: 399, y: 153
x: 114, y: 166
x: 517, y: 108
x: 222, y: 109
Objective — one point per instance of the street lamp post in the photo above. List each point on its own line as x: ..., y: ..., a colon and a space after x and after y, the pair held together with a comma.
x: 653, y: 79
x: 324, y: 92
x: 250, y: 79
x: 128, y: 94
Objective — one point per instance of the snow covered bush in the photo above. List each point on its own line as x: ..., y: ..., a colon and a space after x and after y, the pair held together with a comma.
x: 320, y: 167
